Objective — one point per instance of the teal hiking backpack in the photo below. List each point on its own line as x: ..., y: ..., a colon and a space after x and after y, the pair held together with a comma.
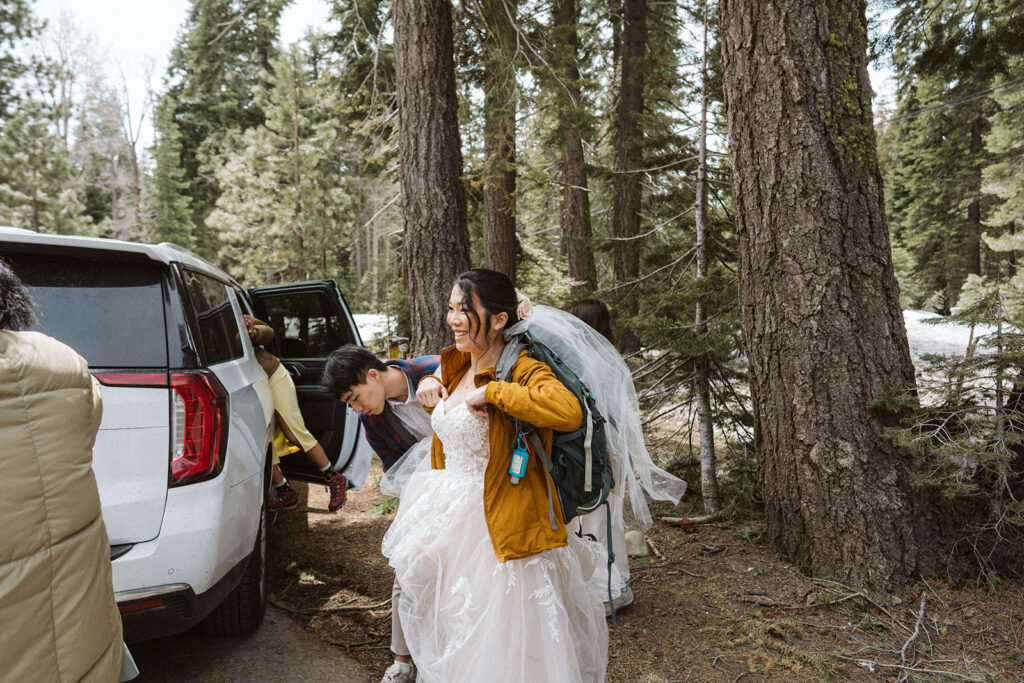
x: 578, y: 462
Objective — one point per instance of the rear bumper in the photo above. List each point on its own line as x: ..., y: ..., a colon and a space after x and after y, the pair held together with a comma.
x: 180, y: 607
x: 208, y: 532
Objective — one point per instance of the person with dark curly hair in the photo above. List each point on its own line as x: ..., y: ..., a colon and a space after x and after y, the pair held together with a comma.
x: 60, y: 619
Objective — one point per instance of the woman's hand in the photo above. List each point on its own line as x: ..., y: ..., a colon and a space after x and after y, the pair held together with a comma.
x: 249, y: 326
x: 476, y: 400
x: 429, y: 393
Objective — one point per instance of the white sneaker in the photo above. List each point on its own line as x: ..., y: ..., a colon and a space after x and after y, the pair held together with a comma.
x: 623, y: 599
x: 400, y: 672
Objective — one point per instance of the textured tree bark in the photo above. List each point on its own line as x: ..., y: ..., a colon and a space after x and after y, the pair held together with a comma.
x: 821, y: 318
x: 499, y: 173
x: 626, y: 201
x: 575, y: 223
x: 974, y: 208
x: 436, y: 245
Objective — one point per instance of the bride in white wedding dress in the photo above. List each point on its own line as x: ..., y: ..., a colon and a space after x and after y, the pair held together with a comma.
x: 493, y: 589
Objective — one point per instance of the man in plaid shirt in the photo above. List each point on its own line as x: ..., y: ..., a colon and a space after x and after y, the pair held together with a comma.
x: 384, y: 395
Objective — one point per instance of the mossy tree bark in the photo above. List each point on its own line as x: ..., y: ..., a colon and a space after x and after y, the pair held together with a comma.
x: 436, y: 245
x: 821, y: 319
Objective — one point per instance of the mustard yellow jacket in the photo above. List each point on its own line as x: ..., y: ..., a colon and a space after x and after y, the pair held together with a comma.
x: 519, y: 515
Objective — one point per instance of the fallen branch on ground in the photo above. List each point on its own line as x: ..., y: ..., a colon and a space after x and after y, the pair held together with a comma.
x: 689, y: 525
x: 917, y: 630
x: 340, y: 608
x: 867, y: 664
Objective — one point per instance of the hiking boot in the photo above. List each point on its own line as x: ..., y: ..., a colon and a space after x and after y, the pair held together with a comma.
x: 283, y: 499
x: 400, y: 673
x: 337, y: 484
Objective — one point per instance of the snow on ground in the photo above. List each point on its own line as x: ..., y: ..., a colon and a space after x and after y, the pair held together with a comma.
x: 942, y: 338
x: 372, y: 325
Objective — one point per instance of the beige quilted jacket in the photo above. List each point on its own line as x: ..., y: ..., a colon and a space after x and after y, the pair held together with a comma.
x: 58, y: 619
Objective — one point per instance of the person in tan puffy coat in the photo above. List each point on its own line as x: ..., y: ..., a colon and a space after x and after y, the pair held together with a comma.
x: 58, y: 618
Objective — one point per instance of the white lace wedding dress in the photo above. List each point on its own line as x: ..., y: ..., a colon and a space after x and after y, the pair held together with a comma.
x: 468, y: 617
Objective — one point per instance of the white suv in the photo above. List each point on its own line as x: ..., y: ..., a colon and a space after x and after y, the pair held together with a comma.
x: 182, y: 458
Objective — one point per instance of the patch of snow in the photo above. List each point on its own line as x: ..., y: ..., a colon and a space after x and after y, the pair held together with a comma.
x: 372, y: 325
x: 943, y: 338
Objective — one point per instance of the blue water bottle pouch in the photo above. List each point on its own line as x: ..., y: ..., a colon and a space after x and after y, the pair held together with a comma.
x: 520, y: 456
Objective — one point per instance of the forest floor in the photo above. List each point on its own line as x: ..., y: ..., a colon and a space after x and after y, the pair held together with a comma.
x: 714, y: 604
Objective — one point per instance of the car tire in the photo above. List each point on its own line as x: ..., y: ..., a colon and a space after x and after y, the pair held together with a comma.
x: 242, y: 610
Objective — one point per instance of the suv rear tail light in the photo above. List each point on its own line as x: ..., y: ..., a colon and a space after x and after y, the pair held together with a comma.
x: 197, y: 430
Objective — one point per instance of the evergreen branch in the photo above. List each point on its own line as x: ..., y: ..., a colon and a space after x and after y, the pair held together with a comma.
x: 1011, y: 85
x: 229, y: 24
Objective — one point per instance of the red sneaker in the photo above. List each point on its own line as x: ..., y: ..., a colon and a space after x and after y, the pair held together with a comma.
x: 283, y: 499
x: 338, y: 486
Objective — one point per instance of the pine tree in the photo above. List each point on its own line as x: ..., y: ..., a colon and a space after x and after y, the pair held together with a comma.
x: 17, y: 24
x: 215, y: 71
x: 821, y: 319
x: 37, y: 175
x: 281, y: 211
x: 947, y: 56
x: 166, y: 214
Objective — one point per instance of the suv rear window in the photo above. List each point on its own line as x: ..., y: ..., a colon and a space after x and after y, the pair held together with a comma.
x: 109, y: 312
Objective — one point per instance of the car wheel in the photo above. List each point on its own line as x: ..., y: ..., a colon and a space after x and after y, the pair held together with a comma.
x: 243, y: 609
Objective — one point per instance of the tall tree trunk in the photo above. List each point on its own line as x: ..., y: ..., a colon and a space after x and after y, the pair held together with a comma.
x: 821, y: 319
x: 499, y: 172
x: 626, y: 203
x: 706, y: 428
x: 575, y: 215
x: 436, y: 237
x: 974, y: 208
x: 300, y: 270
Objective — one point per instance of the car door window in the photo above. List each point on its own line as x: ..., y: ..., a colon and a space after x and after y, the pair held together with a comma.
x: 218, y: 327
x: 305, y: 324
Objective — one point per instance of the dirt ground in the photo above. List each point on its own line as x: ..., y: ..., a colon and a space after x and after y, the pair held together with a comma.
x: 714, y: 604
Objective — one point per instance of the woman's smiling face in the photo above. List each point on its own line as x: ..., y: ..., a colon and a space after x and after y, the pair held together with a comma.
x: 470, y: 333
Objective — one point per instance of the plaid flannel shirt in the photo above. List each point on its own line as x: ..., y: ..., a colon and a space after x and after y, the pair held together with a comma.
x: 383, y: 440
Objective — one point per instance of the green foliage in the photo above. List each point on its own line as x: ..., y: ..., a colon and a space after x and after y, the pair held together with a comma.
x: 166, y: 207
x: 385, y: 507
x: 215, y: 73
x: 37, y: 174
x: 16, y: 25
x: 948, y: 156
x: 967, y: 433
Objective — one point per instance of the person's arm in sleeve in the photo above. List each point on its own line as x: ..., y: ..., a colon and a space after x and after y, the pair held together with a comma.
x: 537, y: 397
x: 431, y: 390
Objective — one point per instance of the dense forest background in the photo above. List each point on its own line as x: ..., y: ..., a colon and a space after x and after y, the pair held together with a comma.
x: 595, y: 162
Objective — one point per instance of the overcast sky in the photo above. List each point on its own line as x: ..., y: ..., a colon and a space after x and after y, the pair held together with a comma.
x: 131, y: 32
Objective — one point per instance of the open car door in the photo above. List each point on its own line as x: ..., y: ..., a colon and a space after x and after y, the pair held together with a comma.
x: 310, y: 320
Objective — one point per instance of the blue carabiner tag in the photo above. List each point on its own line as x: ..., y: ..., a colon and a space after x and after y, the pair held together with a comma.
x: 520, y: 456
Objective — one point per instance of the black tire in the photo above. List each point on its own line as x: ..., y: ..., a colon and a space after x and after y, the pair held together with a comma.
x: 242, y: 610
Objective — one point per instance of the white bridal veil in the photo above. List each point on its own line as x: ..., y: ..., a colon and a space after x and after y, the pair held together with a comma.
x: 596, y: 362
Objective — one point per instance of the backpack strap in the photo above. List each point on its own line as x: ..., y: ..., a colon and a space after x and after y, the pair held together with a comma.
x: 397, y: 427
x: 538, y: 448
x: 611, y: 557
x: 515, y: 344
